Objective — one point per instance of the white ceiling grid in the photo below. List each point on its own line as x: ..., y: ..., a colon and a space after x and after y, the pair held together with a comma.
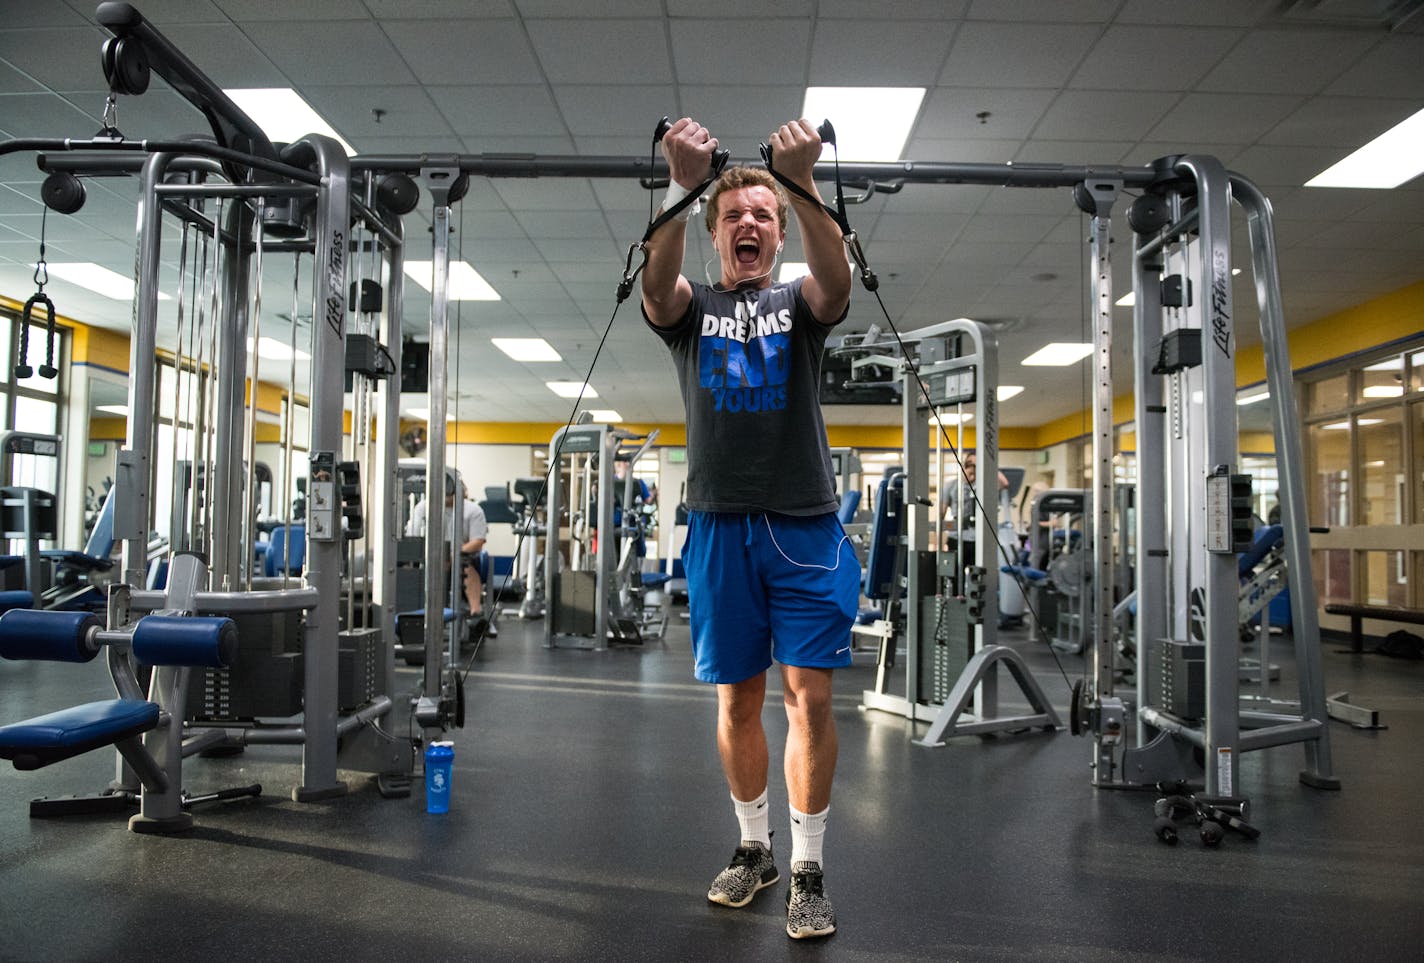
x: 1277, y: 90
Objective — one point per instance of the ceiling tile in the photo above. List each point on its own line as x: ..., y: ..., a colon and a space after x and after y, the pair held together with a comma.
x: 1269, y: 166
x: 1226, y: 13
x: 774, y: 53
x: 952, y: 113
x: 900, y: 9
x: 1223, y: 118
x: 406, y: 111
x: 1144, y: 54
x: 1016, y: 55
x: 479, y: 111
x: 1302, y: 61
x: 470, y: 51
x: 1005, y: 228
x: 1392, y: 69
x: 257, y: 10
x: 622, y: 109
x: 547, y: 194
x: 331, y: 52
x: 879, y: 53
x: 929, y: 229
x: 62, y: 59
x: 21, y: 14
x: 392, y: 10
x: 1060, y: 11
x: 1344, y: 122
x: 46, y: 115
x: 13, y: 81
x: 569, y: 224
x: 516, y: 144
x: 1074, y: 152
x: 724, y: 110
x: 638, y: 47
x: 563, y: 9
x: 1110, y: 114
x: 227, y: 55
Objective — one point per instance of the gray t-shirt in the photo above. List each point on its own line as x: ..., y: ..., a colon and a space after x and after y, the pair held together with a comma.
x: 749, y: 363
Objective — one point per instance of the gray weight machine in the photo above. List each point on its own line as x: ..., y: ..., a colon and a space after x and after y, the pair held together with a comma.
x: 238, y: 202
x: 1192, y: 504
x: 593, y: 591
x: 948, y: 622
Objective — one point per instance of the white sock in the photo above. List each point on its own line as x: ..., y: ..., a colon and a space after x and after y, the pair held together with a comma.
x: 807, y: 832
x: 755, y: 820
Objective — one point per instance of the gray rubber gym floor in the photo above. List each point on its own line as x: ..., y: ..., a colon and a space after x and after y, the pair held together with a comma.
x: 589, y: 815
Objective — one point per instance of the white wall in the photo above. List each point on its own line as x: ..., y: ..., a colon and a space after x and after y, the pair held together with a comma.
x: 490, y: 465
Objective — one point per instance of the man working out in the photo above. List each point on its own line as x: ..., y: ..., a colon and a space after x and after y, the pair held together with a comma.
x: 475, y: 529
x: 771, y: 575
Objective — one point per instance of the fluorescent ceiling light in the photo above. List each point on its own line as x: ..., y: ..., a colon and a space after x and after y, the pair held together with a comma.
x: 947, y: 418
x: 271, y: 349
x: 1127, y: 300
x: 1389, y: 160
x: 605, y: 416
x: 464, y: 284
x: 791, y: 270
x: 872, y: 123
x: 283, y: 115
x: 114, y: 409
x: 571, y: 389
x: 527, y: 349
x: 1008, y: 391
x: 97, y: 278
x: 1388, y: 364
x: 1058, y: 354
x: 1384, y: 391
x: 1252, y: 399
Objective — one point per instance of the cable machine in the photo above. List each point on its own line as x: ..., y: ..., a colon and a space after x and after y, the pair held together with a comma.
x: 1193, y: 507
x: 950, y: 610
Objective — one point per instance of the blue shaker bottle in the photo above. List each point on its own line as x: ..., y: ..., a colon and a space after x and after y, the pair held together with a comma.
x: 439, y: 764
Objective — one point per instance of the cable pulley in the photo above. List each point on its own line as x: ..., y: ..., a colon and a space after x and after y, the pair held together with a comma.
x: 718, y: 163
x: 827, y: 134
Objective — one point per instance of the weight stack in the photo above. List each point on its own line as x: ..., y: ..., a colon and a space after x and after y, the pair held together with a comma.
x: 945, y: 641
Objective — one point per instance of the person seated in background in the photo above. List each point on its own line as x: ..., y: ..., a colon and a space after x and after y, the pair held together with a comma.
x: 965, y: 528
x: 474, y: 531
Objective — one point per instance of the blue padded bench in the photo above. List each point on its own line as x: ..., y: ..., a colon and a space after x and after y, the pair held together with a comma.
x: 885, y: 532
x: 46, y: 739
x: 16, y: 599
x: 70, y: 637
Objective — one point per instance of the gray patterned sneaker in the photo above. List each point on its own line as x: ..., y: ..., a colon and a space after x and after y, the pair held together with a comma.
x: 808, y: 910
x: 751, y: 870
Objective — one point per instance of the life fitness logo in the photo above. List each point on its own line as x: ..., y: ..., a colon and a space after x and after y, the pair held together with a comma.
x: 335, y: 276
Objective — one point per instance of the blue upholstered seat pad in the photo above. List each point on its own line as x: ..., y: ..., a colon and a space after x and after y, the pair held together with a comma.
x: 79, y: 727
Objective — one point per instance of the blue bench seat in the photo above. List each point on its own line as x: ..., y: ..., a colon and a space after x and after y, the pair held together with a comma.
x: 50, y: 738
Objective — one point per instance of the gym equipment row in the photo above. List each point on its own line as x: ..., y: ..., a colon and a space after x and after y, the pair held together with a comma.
x: 230, y: 196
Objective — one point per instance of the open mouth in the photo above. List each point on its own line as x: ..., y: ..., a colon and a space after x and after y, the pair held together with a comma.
x: 748, y: 251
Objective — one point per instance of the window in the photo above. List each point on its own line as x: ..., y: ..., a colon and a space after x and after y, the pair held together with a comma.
x: 1364, y: 477
x: 1382, y: 468
x: 1328, y: 474
x: 1330, y: 394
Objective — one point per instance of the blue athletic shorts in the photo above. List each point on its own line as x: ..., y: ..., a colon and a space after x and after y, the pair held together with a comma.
x: 764, y: 587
